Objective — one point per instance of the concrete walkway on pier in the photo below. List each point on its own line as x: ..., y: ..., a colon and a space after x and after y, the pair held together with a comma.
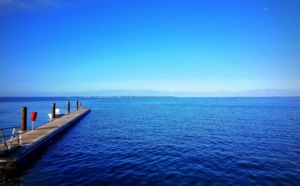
x: 35, y: 140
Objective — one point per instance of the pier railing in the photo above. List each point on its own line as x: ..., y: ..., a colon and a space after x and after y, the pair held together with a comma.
x: 16, y: 136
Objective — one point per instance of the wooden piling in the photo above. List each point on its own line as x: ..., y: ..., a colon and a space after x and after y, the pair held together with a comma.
x: 24, y: 119
x: 68, y: 107
x: 53, y: 110
x: 34, y: 141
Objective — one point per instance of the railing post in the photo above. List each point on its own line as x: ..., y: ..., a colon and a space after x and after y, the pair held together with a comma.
x: 20, y: 138
x: 76, y: 104
x: 3, y: 138
x: 24, y: 119
x: 53, y: 110
x: 68, y: 107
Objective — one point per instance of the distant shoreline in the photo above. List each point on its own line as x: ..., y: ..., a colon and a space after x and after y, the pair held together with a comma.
x: 149, y: 97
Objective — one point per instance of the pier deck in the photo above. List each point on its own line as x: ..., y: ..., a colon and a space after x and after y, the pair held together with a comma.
x: 35, y: 140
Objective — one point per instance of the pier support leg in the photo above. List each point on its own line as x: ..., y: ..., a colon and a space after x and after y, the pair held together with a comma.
x: 68, y: 107
x: 76, y: 104
x: 24, y: 119
x: 53, y: 110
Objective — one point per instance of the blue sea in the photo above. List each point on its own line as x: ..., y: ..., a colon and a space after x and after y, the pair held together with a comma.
x: 165, y: 141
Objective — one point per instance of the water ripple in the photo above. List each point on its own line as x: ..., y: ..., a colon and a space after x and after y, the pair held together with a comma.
x: 170, y: 141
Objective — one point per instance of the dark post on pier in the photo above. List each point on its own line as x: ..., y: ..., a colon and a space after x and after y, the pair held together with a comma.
x: 68, y: 107
x: 76, y: 104
x: 53, y: 110
x: 25, y: 147
x: 24, y: 119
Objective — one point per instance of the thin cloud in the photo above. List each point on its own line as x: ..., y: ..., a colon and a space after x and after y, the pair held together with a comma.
x: 5, y: 2
x: 34, y: 5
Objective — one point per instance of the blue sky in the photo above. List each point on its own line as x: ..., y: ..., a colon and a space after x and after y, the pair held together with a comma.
x: 150, y: 47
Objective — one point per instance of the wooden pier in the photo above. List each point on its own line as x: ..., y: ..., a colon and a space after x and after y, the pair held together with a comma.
x: 34, y: 141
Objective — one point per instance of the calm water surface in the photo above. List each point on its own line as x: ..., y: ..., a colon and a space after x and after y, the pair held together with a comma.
x: 167, y: 141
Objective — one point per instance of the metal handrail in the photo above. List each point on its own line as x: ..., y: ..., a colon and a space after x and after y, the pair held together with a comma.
x: 15, y: 133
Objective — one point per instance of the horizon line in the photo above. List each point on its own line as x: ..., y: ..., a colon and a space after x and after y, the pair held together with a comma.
x: 141, y: 96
